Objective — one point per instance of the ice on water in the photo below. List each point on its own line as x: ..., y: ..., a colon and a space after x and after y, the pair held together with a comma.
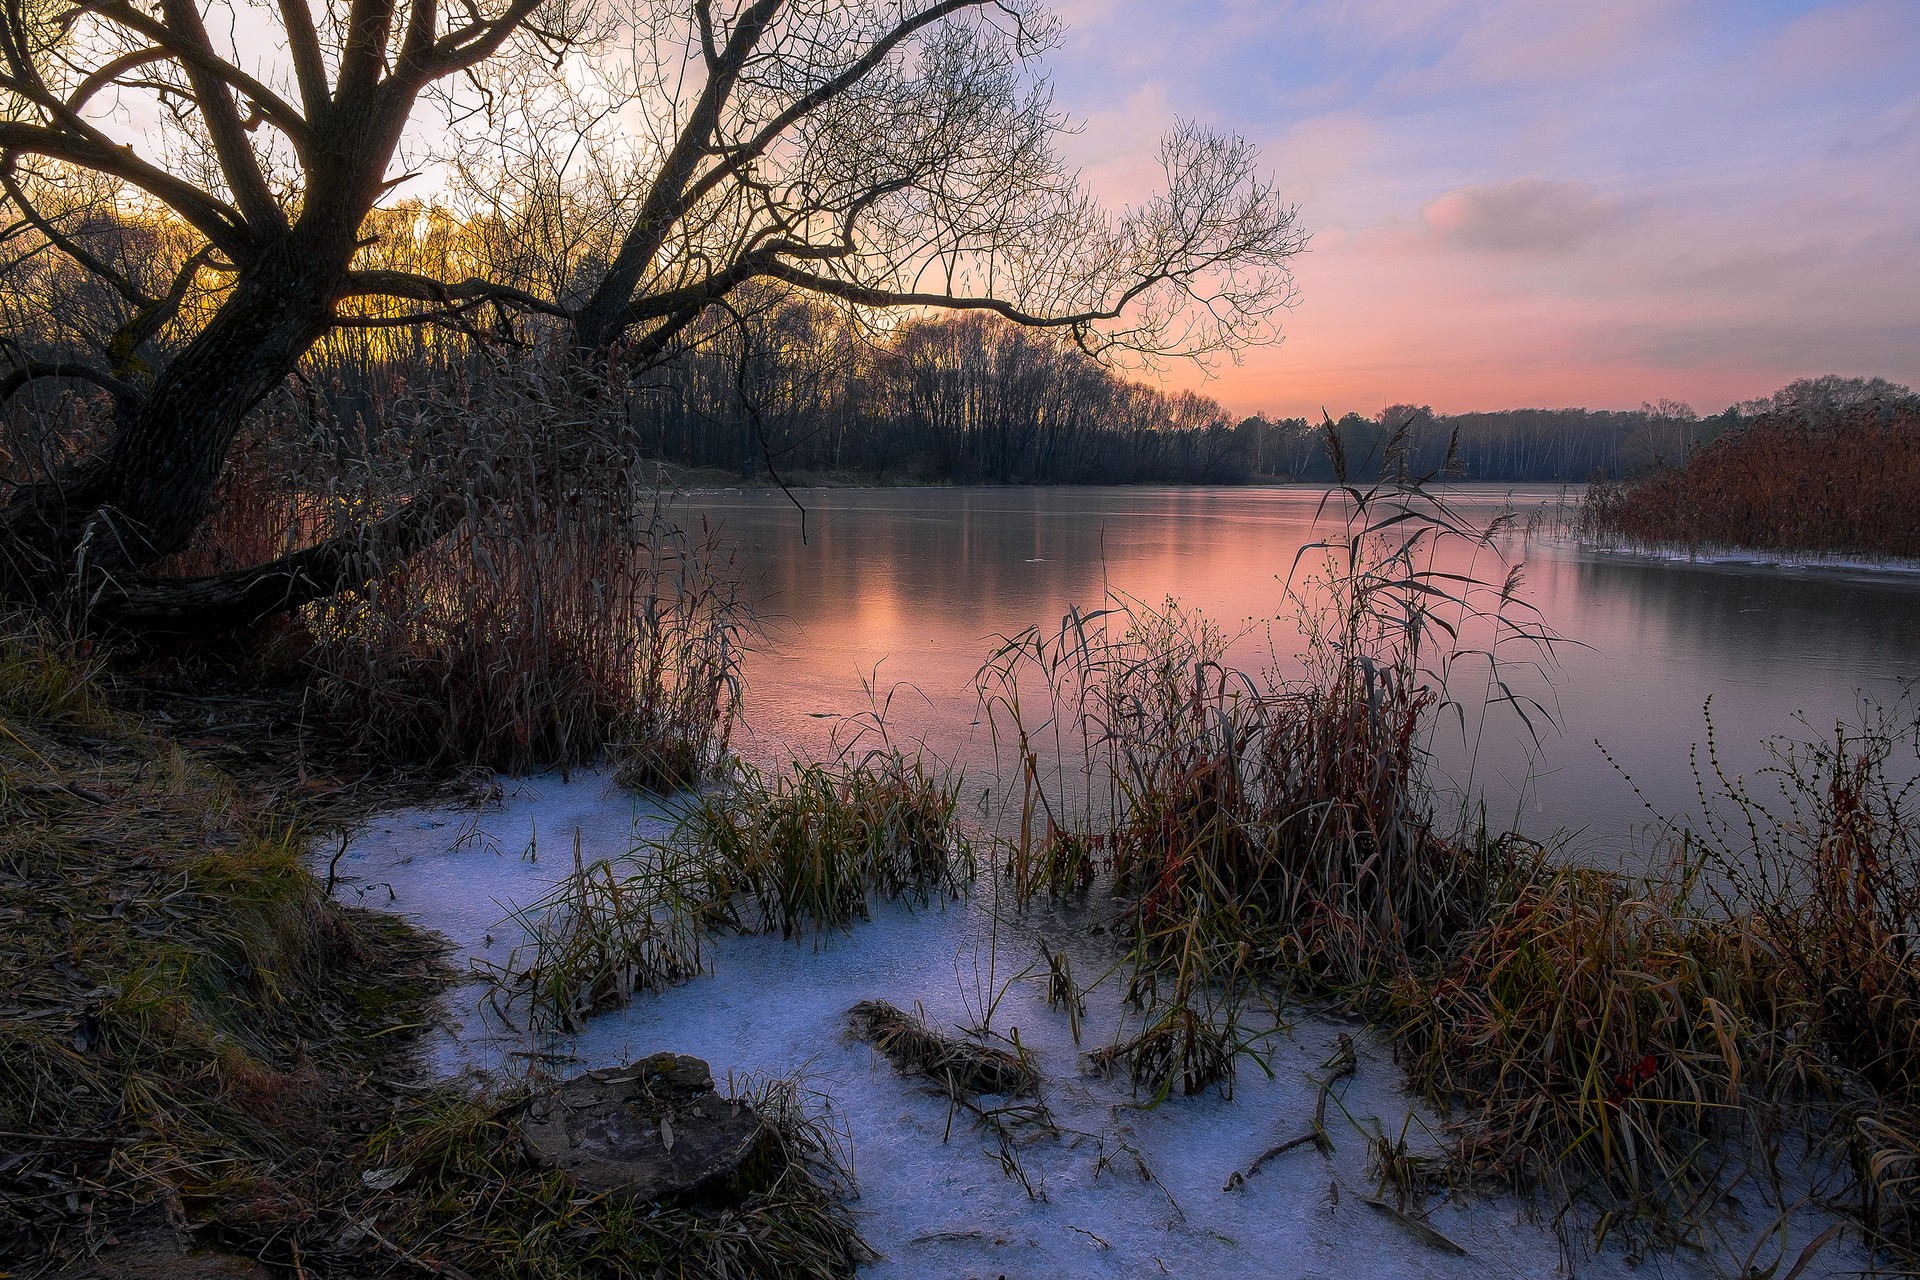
x: 1125, y: 1190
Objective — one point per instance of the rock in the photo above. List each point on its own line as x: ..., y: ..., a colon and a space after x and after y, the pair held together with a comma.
x: 155, y: 1252
x: 654, y: 1130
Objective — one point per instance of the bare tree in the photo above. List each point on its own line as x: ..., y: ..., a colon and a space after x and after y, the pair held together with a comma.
x: 883, y: 153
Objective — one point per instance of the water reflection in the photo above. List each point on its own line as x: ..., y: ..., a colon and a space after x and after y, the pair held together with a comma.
x: 910, y: 589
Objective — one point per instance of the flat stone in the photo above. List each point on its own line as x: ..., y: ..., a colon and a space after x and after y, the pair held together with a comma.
x: 654, y: 1130
x: 159, y: 1254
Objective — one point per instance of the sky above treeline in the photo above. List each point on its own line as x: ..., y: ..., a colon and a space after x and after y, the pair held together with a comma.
x: 1537, y: 202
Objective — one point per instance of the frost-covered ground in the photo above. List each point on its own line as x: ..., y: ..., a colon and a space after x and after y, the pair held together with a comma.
x: 1122, y: 1191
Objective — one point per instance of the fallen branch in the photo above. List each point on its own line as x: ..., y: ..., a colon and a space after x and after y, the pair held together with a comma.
x: 1427, y: 1235
x: 1343, y: 1063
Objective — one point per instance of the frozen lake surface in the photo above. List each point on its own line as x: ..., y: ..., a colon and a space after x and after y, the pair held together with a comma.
x: 910, y: 588
x: 1122, y: 1191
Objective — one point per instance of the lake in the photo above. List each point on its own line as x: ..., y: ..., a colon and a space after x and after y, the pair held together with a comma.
x: 911, y: 588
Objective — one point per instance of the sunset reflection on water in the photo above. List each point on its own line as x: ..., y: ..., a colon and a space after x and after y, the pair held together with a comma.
x: 911, y: 589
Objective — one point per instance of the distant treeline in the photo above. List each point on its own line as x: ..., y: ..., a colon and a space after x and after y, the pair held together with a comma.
x: 1512, y: 445
x: 774, y: 384
x: 974, y: 399
x: 966, y: 399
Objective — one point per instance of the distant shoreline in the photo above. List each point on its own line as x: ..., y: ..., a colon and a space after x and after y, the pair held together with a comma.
x: 715, y: 479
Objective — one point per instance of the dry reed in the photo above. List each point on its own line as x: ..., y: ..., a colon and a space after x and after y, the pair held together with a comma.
x: 565, y: 616
x: 1847, y: 487
x: 958, y: 1066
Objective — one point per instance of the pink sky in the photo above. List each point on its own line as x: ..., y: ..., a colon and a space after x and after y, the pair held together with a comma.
x: 1524, y: 202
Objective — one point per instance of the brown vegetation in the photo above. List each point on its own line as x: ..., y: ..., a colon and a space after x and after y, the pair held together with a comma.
x: 550, y: 629
x: 185, y: 1022
x: 196, y: 1041
x: 1849, y: 486
x: 1639, y: 1044
x: 874, y: 156
x: 958, y: 1066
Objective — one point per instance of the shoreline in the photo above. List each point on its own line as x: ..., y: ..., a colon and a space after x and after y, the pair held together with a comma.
x: 914, y: 1165
x: 1752, y: 557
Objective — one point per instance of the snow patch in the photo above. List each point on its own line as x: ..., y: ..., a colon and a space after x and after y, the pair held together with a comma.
x: 1123, y: 1191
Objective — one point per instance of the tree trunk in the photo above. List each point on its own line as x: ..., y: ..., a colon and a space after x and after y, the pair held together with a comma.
x: 140, y: 499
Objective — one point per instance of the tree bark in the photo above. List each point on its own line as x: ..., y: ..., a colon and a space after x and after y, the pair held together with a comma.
x: 224, y: 602
x: 117, y: 513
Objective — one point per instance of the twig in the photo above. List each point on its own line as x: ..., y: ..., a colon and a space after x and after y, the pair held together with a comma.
x: 1344, y: 1063
x: 333, y: 864
x: 1425, y: 1233
x: 62, y: 1139
x: 61, y: 788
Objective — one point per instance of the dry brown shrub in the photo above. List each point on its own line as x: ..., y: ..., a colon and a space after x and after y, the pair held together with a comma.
x: 1849, y: 487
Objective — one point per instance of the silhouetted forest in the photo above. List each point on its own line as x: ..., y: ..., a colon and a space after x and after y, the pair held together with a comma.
x: 779, y: 384
x: 801, y: 388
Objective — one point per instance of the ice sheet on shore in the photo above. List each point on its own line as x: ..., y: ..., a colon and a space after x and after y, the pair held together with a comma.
x: 935, y: 1200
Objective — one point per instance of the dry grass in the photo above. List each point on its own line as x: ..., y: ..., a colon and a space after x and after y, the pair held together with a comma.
x: 1594, y: 1035
x: 566, y: 617
x: 1849, y: 487
x: 809, y: 848
x: 191, y: 1033
x: 1818, y: 858
x: 1265, y: 834
x: 1643, y: 1045
x: 470, y: 1202
x: 605, y: 933
x: 1650, y: 1043
x: 185, y: 1022
x: 958, y: 1066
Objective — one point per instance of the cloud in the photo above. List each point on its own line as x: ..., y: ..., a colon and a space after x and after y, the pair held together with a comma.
x: 1528, y: 215
x: 1545, y: 42
x: 1526, y: 202
x: 1844, y: 42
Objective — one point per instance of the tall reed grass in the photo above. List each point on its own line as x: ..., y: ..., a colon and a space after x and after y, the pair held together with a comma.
x: 1643, y: 1044
x: 1846, y: 487
x: 1266, y: 833
x: 566, y: 616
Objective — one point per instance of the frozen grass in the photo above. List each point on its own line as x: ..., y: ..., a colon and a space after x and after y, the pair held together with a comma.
x: 799, y: 851
x: 605, y: 932
x: 810, y: 847
x: 1642, y: 1046
x: 1100, y: 1184
x: 959, y: 1066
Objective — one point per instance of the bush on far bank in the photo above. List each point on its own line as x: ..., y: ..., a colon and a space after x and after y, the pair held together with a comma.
x: 1848, y: 485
